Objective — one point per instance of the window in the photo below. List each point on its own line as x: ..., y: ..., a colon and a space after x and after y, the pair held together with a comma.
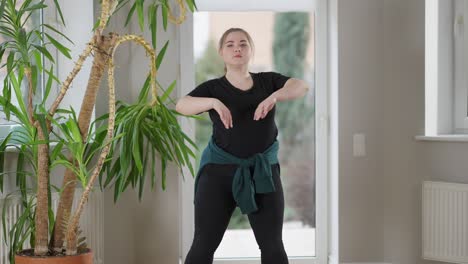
x: 460, y: 16
x: 7, y: 125
x: 314, y: 248
x: 446, y: 86
x: 78, y: 30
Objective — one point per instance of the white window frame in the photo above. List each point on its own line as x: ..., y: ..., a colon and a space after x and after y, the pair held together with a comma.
x: 461, y: 66
x: 79, y: 31
x: 7, y: 128
x: 446, y: 56
x: 186, y: 73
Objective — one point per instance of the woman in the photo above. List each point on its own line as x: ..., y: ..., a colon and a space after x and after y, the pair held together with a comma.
x: 239, y: 167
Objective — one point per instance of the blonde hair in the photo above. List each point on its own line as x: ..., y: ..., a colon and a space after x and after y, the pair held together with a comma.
x: 226, y: 33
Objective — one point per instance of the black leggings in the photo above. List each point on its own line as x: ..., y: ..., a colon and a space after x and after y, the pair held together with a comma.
x: 214, y: 205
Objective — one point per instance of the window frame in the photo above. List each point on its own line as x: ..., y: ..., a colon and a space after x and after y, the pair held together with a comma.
x: 446, y: 88
x: 186, y: 73
x: 43, y: 18
x: 461, y: 67
x: 78, y: 31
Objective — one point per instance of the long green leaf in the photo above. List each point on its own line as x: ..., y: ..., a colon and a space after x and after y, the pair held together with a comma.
x: 153, y: 167
x: 163, y: 173
x: 57, y: 5
x: 168, y: 91
x: 164, y: 11
x: 17, y: 89
x: 34, y: 7
x: 161, y: 53
x: 191, y: 5
x: 34, y: 74
x: 45, y: 52
x: 143, y: 96
x: 117, y: 187
x: 141, y: 15
x: 58, y: 32
x: 2, y: 50
x: 10, y: 62
x: 136, y: 147
x: 48, y: 87
x: 3, y: 146
x: 57, y: 149
x: 64, y: 50
x: 37, y: 59
x: 2, y: 7
x: 20, y: 176
x: 130, y: 14
x: 143, y: 176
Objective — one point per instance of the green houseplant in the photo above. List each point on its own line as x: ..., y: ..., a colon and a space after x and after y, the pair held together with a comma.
x: 116, y: 149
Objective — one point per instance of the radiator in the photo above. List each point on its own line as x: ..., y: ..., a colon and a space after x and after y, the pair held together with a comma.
x: 445, y: 222
x: 91, y: 222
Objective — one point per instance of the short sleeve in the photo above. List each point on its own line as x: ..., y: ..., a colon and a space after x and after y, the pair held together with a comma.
x: 202, y: 90
x: 278, y: 80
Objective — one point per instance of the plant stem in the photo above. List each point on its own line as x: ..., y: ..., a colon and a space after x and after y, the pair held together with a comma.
x: 73, y: 226
x: 42, y: 221
x: 100, y: 61
x: 66, y: 84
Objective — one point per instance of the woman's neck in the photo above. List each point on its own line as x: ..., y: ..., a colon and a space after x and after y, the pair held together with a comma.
x: 239, y: 74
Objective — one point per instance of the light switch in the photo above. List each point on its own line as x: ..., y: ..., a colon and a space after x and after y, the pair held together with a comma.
x: 359, y: 145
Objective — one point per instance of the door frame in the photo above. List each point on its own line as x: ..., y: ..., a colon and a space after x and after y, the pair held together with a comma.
x: 322, y: 128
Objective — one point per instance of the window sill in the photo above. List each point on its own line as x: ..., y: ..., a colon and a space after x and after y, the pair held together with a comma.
x: 446, y: 138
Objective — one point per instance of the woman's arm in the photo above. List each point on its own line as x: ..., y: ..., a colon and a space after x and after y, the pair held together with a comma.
x: 190, y: 105
x: 292, y: 89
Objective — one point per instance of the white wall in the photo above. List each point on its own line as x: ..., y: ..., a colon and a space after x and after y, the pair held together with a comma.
x: 381, y: 94
x: 403, y: 119
x: 381, y: 47
x: 360, y: 37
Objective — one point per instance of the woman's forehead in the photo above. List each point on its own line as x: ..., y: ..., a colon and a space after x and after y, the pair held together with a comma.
x: 236, y: 36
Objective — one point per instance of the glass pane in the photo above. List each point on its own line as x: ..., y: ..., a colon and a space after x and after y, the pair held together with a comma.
x: 284, y: 43
x: 33, y: 22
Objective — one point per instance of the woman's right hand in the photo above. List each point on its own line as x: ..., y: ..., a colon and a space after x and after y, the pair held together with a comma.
x: 223, y: 113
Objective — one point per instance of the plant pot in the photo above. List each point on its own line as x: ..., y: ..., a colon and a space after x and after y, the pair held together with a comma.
x: 82, y: 258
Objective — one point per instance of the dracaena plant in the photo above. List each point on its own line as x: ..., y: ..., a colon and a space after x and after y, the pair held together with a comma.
x: 48, y: 136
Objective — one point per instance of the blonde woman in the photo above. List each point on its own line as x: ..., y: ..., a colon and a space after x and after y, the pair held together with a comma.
x: 239, y: 167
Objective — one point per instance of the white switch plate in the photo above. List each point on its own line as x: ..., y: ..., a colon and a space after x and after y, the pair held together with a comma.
x: 359, y: 145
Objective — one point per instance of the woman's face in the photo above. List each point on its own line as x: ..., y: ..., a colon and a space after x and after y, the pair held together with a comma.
x: 236, y: 49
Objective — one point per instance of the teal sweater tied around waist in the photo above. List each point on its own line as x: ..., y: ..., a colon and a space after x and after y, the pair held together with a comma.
x: 244, y: 185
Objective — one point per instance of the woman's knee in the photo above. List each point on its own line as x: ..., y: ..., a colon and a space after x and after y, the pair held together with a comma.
x: 271, y: 245
x: 204, y: 243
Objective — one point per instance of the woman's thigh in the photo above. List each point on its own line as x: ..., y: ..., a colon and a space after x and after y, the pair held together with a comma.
x: 214, y: 203
x: 267, y: 221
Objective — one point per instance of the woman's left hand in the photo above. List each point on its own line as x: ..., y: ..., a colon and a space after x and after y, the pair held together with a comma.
x: 264, y: 107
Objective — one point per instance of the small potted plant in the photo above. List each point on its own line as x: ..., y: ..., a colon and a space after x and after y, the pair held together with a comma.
x: 120, y: 146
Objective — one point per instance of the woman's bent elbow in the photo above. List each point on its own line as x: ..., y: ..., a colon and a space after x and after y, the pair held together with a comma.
x: 179, y: 109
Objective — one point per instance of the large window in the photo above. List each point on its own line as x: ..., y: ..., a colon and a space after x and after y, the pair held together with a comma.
x: 290, y: 38
x: 78, y: 30
x: 7, y: 125
x: 284, y: 42
x: 460, y: 38
x: 446, y: 69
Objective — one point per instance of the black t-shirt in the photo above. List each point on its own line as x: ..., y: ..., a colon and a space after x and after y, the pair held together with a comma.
x: 247, y: 136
